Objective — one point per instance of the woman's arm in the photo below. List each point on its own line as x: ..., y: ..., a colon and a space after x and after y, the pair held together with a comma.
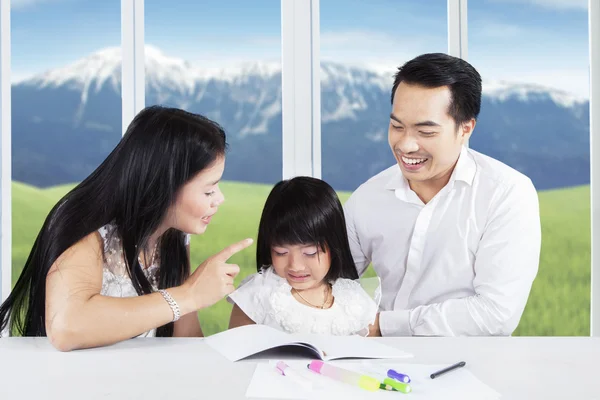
x: 77, y: 316
x: 188, y: 325
x: 239, y: 318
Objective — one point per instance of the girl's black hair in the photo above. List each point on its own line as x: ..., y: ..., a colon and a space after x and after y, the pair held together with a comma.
x: 133, y: 188
x: 306, y: 210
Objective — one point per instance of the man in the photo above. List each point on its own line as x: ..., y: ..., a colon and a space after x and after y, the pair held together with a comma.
x: 453, y: 234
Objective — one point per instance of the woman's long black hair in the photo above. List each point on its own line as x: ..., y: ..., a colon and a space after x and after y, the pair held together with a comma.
x: 306, y: 210
x: 133, y: 188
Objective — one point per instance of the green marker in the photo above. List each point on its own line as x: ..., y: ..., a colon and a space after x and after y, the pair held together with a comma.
x: 399, y: 386
x: 387, y: 387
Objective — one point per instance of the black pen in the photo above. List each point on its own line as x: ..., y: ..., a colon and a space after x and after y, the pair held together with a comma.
x: 450, y: 368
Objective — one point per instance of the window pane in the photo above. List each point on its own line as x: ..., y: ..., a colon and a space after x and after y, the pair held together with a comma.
x: 362, y: 45
x: 535, y: 117
x: 66, y: 104
x: 223, y: 60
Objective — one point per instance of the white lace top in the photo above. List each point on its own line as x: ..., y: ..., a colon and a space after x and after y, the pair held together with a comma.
x: 115, y: 279
x: 266, y: 298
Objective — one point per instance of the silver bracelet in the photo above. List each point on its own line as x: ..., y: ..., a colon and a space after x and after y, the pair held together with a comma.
x: 172, y: 303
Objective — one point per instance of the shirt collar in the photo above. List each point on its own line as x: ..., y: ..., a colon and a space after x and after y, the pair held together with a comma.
x: 465, y: 168
x: 464, y: 171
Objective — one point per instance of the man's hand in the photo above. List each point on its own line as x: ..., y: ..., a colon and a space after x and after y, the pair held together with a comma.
x: 374, y: 329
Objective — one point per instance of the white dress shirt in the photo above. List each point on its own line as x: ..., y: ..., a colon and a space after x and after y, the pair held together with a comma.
x: 462, y: 264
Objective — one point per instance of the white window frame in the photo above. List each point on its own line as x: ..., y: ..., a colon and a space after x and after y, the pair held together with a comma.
x: 594, y: 43
x: 457, y: 29
x: 458, y: 38
x: 301, y: 106
x: 5, y: 153
x: 133, y: 72
x: 301, y: 88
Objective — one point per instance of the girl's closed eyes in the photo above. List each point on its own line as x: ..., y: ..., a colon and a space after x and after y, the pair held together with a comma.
x: 307, y: 251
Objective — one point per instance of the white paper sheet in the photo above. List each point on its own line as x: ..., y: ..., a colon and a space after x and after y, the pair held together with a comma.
x: 459, y: 384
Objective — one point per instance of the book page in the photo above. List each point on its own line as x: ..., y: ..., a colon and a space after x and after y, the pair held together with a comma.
x: 337, y: 347
x: 244, y: 341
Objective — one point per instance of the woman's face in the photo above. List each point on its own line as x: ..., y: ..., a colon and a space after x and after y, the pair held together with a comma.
x: 198, y: 200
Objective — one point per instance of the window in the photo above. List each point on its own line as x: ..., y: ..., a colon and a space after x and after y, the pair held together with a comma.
x: 362, y: 45
x: 226, y: 66
x: 223, y: 60
x: 66, y: 105
x: 535, y: 118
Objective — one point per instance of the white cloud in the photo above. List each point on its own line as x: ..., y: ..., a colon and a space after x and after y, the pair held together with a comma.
x: 268, y: 41
x: 384, y: 52
x: 553, y: 4
x: 379, y: 50
x: 20, y: 5
x: 571, y: 80
x: 355, y: 38
x: 498, y: 30
x: 376, y: 50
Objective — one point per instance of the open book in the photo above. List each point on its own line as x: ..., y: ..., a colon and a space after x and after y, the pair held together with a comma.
x: 244, y: 341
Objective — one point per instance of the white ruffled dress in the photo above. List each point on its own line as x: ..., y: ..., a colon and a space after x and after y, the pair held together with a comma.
x: 267, y: 299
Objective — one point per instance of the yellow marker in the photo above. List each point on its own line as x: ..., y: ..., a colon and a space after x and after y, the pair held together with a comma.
x: 343, y: 375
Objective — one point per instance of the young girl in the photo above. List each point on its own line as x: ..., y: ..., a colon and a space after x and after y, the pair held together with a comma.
x: 112, y: 259
x: 306, y: 281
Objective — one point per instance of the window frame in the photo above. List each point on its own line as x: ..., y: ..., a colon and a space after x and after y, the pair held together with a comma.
x: 5, y: 153
x: 594, y: 54
x: 301, y: 106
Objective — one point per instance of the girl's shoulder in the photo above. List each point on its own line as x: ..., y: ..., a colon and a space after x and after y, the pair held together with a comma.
x: 363, y: 292
x: 253, y: 293
x: 358, y: 302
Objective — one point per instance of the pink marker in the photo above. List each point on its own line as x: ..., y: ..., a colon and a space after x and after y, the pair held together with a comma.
x: 343, y: 375
x: 285, y: 370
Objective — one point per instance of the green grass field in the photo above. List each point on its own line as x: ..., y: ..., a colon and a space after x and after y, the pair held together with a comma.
x: 559, y: 304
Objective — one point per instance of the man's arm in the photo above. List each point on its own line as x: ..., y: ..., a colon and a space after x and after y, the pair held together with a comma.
x: 506, y: 263
x: 351, y: 210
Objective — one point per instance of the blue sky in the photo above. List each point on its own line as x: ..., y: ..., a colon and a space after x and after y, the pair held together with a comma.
x: 535, y: 41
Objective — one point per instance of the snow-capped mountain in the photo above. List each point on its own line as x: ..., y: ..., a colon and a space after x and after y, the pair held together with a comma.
x: 526, y: 92
x: 65, y: 121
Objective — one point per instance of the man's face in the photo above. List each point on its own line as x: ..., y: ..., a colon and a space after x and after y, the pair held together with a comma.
x: 423, y: 136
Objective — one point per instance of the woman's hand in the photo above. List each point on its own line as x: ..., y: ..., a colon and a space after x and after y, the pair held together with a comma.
x: 213, y: 279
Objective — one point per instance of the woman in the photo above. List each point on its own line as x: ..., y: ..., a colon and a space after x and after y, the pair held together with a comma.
x: 112, y: 258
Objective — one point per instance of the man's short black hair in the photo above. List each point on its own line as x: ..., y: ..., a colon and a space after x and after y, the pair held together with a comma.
x: 433, y: 70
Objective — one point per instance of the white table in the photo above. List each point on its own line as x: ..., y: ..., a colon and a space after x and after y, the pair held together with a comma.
x: 177, y: 369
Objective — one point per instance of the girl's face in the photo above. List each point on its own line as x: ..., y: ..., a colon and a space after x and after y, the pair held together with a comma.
x: 304, y: 266
x: 198, y: 200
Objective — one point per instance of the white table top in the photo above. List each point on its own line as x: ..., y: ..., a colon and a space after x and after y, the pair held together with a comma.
x: 177, y: 369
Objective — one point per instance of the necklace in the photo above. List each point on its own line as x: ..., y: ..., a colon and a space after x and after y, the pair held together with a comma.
x: 152, y: 259
x: 152, y: 278
x: 322, y: 306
